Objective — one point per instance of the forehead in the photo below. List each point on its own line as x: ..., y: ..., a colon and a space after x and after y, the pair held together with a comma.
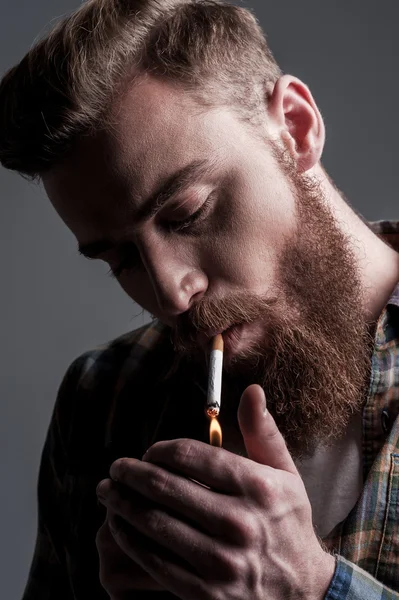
x: 156, y: 129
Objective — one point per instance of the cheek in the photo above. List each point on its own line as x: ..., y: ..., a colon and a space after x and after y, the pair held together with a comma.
x: 242, y: 260
x: 246, y: 252
x: 254, y: 220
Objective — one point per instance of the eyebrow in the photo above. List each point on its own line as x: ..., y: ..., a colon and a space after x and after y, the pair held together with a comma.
x: 175, y: 184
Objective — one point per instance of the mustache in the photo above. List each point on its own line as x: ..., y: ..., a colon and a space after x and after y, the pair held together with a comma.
x: 217, y: 315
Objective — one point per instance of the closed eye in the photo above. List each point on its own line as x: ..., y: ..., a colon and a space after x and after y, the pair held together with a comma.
x: 197, y: 217
x: 131, y: 258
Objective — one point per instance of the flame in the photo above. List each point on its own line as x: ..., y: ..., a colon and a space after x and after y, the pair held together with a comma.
x: 215, y: 433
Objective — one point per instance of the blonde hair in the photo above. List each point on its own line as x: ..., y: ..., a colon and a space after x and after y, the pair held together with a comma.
x: 65, y: 85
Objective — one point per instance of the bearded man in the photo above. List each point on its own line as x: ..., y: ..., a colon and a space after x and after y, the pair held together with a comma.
x: 174, y: 148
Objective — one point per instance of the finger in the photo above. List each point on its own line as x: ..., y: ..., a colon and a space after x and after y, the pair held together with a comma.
x: 214, y: 467
x: 190, y: 502
x: 171, y: 573
x: 263, y: 440
x: 118, y: 572
x: 171, y: 538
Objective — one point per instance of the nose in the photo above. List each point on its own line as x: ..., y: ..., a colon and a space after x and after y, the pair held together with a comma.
x: 176, y: 281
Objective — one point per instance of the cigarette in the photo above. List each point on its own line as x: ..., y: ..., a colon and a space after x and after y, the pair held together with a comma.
x: 215, y: 377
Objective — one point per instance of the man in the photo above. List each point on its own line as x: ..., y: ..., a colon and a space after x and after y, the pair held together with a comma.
x: 174, y: 149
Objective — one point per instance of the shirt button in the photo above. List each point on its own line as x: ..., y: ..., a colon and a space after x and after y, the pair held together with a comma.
x: 386, y: 421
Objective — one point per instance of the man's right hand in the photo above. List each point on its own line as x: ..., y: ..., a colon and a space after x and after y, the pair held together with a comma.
x: 119, y: 574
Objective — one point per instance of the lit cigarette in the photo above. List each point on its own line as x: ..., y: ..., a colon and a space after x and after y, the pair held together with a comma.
x: 215, y: 377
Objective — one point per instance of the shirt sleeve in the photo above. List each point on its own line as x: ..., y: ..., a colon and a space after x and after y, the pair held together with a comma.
x: 350, y: 582
x: 48, y: 576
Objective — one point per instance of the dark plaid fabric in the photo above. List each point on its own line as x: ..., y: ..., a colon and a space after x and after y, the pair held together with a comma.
x: 120, y: 398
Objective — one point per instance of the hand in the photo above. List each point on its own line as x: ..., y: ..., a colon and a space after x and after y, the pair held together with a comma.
x: 246, y: 532
x: 119, y: 574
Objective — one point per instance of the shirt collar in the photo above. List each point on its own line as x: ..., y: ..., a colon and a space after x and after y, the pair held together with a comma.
x: 389, y: 232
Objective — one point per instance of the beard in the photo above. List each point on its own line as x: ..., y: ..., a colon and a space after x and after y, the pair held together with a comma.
x: 314, y: 361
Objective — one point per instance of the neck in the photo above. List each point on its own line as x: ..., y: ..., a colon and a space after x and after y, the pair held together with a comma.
x: 378, y: 263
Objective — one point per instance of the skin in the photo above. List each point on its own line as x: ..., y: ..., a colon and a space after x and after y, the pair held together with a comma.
x: 245, y: 535
x: 258, y: 540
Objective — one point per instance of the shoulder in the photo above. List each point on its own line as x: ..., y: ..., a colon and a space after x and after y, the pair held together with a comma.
x: 93, y: 383
x: 108, y: 361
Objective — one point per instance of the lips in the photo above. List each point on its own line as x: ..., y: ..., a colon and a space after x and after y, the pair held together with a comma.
x: 231, y: 337
x: 204, y: 337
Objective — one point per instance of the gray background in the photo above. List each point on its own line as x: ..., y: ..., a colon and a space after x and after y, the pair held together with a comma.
x: 55, y: 305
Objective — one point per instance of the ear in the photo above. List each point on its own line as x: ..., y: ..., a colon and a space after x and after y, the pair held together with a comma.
x: 296, y: 120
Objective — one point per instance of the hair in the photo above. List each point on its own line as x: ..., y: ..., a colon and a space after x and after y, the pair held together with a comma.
x: 65, y: 86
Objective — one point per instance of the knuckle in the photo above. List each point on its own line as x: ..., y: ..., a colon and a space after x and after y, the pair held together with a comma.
x: 234, y: 567
x: 157, y: 482
x: 228, y: 523
x: 273, y: 432
x: 242, y: 529
x: 246, y: 530
x: 263, y: 487
x: 183, y: 452
x: 226, y: 563
x: 152, y: 520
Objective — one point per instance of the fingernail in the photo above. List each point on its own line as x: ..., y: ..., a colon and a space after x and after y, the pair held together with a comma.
x: 264, y: 406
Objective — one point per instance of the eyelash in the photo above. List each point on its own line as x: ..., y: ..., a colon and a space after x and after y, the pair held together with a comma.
x: 176, y: 226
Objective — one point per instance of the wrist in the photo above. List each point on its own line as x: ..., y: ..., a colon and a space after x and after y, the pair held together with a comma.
x: 323, y: 571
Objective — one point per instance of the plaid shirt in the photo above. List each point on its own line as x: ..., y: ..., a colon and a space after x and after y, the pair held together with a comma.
x: 116, y: 401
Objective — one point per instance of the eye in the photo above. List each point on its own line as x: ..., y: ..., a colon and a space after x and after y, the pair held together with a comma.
x: 129, y: 261
x: 189, y: 222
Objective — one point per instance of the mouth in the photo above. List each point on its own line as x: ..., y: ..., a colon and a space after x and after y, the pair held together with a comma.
x: 231, y: 339
x: 231, y: 336
x: 207, y: 335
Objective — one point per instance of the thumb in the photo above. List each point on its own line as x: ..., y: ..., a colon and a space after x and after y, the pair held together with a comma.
x: 263, y: 441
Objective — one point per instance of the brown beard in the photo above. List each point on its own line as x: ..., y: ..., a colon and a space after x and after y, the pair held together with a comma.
x: 314, y: 365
